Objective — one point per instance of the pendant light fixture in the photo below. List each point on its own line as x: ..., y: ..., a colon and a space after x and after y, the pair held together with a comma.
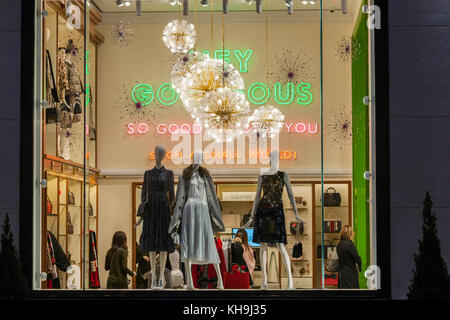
x: 290, y: 5
x: 344, y: 6
x: 225, y: 6
x: 258, y: 6
x: 138, y: 7
x: 185, y: 7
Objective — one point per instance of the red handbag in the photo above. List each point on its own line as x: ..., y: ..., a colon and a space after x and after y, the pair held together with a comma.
x: 237, y: 279
x: 49, y: 206
x: 331, y: 279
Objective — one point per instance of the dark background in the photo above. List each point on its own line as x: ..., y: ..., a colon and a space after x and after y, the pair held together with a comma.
x: 418, y: 124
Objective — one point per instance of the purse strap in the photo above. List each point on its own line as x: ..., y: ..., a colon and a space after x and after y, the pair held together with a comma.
x: 49, y: 63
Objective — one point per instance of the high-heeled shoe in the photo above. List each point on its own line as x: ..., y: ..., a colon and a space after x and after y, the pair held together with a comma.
x: 161, y: 283
x: 153, y: 286
x: 263, y: 286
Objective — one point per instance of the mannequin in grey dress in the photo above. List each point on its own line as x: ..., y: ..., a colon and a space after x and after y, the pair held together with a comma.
x: 198, y: 205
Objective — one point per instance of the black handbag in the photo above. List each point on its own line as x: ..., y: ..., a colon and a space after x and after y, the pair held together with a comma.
x: 331, y: 199
x: 91, y: 210
x: 51, y: 113
x: 144, y: 205
x: 297, y: 250
x: 295, y: 225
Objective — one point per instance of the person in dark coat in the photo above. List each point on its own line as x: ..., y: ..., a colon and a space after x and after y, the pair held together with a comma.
x: 143, y: 266
x: 349, y: 260
x: 116, y: 263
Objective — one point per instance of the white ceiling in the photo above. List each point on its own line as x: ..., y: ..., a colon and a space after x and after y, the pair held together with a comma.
x: 109, y: 6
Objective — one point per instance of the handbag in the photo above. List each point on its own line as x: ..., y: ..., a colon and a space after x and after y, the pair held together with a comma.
x: 91, y: 210
x: 51, y: 113
x: 237, y: 278
x: 331, y: 279
x: 297, y: 250
x: 143, y: 206
x: 332, y: 264
x: 49, y: 206
x: 326, y: 245
x: 71, y: 198
x: 331, y: 199
x: 65, y: 115
x: 69, y: 224
x: 297, y: 226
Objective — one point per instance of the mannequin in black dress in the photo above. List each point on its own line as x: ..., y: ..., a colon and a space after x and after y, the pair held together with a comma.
x: 158, y: 191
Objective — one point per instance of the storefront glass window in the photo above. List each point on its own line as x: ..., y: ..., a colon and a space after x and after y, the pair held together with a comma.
x: 271, y: 92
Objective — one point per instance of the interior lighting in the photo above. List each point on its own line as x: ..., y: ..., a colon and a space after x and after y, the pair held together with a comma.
x: 204, y: 3
x: 120, y: 3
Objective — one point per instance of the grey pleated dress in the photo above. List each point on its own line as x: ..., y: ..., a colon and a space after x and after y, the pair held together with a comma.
x: 197, y: 239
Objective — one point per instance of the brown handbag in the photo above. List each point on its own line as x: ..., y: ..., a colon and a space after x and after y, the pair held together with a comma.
x: 69, y: 224
x: 71, y: 198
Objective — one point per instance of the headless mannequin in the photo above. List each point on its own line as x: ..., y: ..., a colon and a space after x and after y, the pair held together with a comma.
x: 274, y: 157
x: 160, y: 153
x: 198, y: 160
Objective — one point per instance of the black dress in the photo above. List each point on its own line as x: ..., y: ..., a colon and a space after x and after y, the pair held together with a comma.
x: 270, y: 225
x: 158, y: 190
x: 348, y: 259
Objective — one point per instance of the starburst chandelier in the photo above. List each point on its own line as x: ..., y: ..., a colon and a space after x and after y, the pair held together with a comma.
x: 224, y: 114
x: 179, y: 36
x: 121, y: 33
x: 266, y: 121
x: 205, y: 78
x: 181, y: 64
x: 347, y: 49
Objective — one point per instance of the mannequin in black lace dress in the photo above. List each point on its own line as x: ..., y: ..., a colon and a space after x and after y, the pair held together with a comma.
x: 158, y: 190
x: 268, y: 216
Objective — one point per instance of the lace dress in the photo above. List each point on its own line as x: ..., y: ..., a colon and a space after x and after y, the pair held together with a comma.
x: 158, y: 189
x: 197, y: 239
x: 270, y: 224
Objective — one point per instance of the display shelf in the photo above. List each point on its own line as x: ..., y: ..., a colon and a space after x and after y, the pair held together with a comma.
x: 57, y: 190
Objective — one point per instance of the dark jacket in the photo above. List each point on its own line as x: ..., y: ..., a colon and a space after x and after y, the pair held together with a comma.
x: 143, y: 267
x: 116, y: 263
x: 348, y: 259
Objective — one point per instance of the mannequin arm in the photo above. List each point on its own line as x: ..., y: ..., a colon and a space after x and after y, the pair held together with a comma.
x: 144, y: 188
x: 291, y: 197
x: 176, y: 219
x: 255, y: 203
x: 171, y: 190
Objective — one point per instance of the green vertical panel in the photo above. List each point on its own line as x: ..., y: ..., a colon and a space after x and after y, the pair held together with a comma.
x: 360, y: 119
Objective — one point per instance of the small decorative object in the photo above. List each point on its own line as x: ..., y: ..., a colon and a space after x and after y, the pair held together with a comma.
x: 223, y: 113
x: 49, y: 206
x: 121, y: 34
x: 181, y: 64
x: 179, y: 36
x: 338, y: 127
x: 297, y: 251
x: 292, y: 67
x: 204, y: 78
x: 267, y: 121
x: 348, y: 49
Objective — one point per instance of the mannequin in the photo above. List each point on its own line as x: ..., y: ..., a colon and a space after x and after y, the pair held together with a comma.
x: 69, y: 88
x: 262, y: 226
x: 158, y: 190
x: 197, y: 203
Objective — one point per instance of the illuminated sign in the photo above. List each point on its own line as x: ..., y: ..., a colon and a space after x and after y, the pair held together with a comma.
x: 284, y: 155
x: 186, y: 128
x: 258, y: 93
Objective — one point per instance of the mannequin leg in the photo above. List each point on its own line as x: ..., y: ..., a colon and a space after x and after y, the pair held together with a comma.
x: 219, y: 276
x: 153, y: 269
x: 162, y: 267
x: 287, y: 264
x: 189, y: 280
x: 263, y: 259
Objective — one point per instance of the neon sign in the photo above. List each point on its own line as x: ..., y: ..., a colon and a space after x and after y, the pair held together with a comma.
x: 284, y: 155
x: 186, y: 128
x: 258, y: 93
